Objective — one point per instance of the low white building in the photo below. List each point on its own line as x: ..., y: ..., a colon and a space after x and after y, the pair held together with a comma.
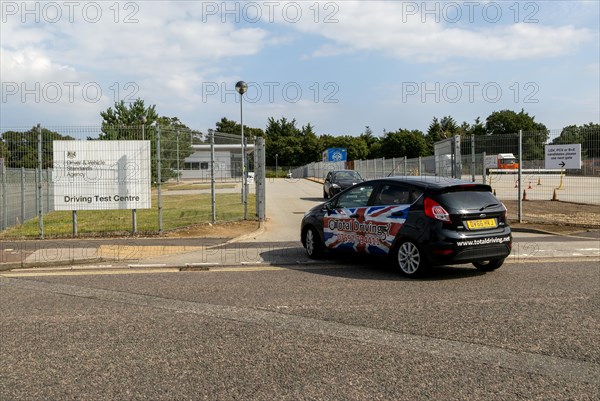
x: 228, y: 162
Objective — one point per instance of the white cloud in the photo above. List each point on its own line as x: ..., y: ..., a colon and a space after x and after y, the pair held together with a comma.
x: 388, y: 28
x: 165, y: 55
x: 165, y: 39
x: 173, y: 50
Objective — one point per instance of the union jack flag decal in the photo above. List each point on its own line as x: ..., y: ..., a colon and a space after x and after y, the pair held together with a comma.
x: 364, y: 229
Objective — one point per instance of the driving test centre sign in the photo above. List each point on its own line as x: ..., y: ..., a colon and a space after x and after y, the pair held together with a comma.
x: 563, y: 156
x: 101, y: 175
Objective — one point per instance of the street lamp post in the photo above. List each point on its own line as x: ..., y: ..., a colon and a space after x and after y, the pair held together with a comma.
x: 143, y: 121
x: 178, y: 170
x: 241, y: 87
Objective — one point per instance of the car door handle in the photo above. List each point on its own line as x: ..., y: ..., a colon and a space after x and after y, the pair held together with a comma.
x: 353, y: 215
x: 396, y: 214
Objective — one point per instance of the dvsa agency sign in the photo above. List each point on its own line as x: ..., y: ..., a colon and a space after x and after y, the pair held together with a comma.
x: 101, y: 175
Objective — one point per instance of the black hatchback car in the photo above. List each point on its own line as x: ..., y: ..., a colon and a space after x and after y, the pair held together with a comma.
x: 417, y: 221
x: 337, y: 181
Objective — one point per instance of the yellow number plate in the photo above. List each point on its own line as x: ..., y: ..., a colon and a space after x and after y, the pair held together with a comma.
x: 480, y: 224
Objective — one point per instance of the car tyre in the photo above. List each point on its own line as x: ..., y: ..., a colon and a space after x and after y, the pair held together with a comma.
x: 488, y: 265
x: 409, y: 259
x: 313, y: 244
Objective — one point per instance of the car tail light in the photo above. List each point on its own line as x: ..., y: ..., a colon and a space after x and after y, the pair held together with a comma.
x: 443, y: 252
x: 505, y: 213
x: 435, y: 210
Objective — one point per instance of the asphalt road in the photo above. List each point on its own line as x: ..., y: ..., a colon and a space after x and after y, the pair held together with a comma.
x: 347, y: 328
x: 319, y: 332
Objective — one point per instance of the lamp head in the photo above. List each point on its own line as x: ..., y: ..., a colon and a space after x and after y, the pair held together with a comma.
x: 241, y: 87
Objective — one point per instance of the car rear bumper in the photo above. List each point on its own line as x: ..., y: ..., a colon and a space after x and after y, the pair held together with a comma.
x: 470, y: 249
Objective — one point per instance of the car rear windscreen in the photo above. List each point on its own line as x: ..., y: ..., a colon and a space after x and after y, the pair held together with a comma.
x: 475, y: 198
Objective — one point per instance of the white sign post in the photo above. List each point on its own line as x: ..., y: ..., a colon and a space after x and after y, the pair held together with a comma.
x: 563, y: 156
x: 101, y: 175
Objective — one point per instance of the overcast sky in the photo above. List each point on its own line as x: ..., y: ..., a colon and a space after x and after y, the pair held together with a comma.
x: 340, y: 65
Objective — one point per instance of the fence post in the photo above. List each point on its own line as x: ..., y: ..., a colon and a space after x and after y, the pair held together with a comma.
x: 420, y: 171
x: 260, y: 178
x: 405, y: 165
x: 473, y: 158
x: 484, y: 170
x: 213, y: 199
x: 4, y: 217
x: 178, y: 170
x: 22, y: 195
x: 158, y: 179
x: 47, y: 190
x: 453, y: 161
x: 39, y: 184
x: 520, y: 201
x: 74, y: 223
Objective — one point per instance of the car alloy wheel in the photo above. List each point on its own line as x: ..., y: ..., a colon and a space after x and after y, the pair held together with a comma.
x: 409, y: 259
x: 313, y: 246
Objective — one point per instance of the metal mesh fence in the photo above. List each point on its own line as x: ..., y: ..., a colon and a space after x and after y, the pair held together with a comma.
x: 317, y: 170
x: 487, y: 159
x: 481, y: 160
x: 19, y: 195
x: 177, y: 166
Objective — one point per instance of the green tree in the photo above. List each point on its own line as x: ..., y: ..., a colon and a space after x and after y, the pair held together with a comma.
x: 404, y: 143
x: 441, y: 129
x: 591, y: 139
x: 233, y: 132
x: 3, y: 151
x: 176, y: 141
x: 311, y: 149
x: 588, y: 135
x: 569, y: 134
x: 372, y: 143
x: 510, y: 122
x: 20, y: 149
x: 284, y: 139
x: 477, y: 128
x: 129, y: 122
x: 136, y: 122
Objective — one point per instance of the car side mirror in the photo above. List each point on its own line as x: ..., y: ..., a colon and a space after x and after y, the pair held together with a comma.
x: 329, y: 206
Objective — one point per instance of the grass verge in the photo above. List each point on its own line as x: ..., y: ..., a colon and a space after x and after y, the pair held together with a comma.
x: 178, y: 211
